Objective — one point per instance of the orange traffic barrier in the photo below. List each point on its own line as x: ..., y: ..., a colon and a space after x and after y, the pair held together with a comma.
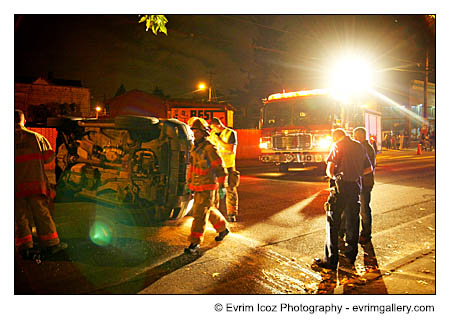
x: 419, y: 150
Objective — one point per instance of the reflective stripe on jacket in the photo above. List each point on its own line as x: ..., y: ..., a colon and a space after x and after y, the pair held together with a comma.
x: 206, y: 169
x: 31, y: 152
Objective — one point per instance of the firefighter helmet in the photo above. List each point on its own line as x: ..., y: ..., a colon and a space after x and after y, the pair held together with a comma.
x: 201, y: 124
x: 190, y: 121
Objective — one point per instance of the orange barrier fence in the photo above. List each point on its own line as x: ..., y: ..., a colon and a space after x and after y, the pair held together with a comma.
x: 248, y: 144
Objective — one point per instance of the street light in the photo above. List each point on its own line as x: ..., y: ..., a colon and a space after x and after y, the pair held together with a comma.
x: 97, y: 110
x: 202, y: 86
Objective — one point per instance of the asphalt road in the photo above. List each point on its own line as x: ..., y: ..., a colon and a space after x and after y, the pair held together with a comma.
x: 279, y: 231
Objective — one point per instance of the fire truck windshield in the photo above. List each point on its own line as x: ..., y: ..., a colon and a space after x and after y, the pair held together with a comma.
x: 311, y: 110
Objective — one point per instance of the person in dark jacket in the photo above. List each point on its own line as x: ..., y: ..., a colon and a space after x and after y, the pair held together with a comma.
x: 346, y: 164
x: 365, y: 235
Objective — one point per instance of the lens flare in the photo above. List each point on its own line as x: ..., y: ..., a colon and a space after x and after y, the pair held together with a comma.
x: 402, y: 109
x: 100, y: 233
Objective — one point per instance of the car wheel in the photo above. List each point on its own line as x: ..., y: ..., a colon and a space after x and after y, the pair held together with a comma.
x: 141, y: 128
x: 57, y: 121
x: 136, y: 122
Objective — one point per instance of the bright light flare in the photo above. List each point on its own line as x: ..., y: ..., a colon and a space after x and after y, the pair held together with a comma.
x: 324, y: 142
x: 351, y: 75
x: 98, y: 108
x: 402, y: 109
x: 201, y: 86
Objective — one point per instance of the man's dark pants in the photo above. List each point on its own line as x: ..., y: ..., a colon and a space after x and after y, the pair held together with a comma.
x: 347, y: 199
x: 366, y: 213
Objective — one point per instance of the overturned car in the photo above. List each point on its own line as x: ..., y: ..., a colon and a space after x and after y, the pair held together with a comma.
x: 133, y: 162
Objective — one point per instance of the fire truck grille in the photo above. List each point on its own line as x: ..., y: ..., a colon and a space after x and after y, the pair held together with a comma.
x: 292, y: 142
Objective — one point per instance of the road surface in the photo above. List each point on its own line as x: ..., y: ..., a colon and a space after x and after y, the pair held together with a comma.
x: 281, y: 228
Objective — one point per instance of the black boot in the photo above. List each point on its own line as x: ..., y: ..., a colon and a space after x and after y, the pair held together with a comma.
x: 54, y: 249
x: 318, y: 262
x: 192, y: 248
x: 222, y: 234
x: 30, y: 254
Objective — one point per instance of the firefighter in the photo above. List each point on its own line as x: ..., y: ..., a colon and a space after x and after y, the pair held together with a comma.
x: 225, y: 140
x: 32, y: 193
x: 205, y: 175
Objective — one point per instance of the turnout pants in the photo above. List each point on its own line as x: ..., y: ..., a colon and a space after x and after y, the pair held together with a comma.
x: 33, y: 209
x: 203, y: 210
x: 347, y: 200
x: 232, y: 199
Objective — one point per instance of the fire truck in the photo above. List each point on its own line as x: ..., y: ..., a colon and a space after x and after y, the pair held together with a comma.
x: 296, y: 127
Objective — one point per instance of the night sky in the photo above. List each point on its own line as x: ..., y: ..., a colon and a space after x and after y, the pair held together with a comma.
x: 250, y: 56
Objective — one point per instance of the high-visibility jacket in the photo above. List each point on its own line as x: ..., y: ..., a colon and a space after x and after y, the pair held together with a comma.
x: 31, y: 152
x: 228, y: 157
x: 206, y: 169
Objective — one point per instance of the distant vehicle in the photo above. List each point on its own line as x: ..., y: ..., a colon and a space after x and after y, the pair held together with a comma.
x: 296, y: 127
x: 132, y: 162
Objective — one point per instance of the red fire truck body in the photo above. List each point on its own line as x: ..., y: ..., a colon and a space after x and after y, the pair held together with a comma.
x: 296, y: 127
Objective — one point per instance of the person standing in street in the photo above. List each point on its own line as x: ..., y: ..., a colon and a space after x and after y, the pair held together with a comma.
x: 388, y: 140
x: 225, y: 139
x: 433, y: 140
x: 365, y: 235
x: 346, y: 163
x: 32, y: 192
x: 205, y: 175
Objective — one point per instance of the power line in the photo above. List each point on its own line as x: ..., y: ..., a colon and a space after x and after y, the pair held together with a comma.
x: 268, y: 27
x: 256, y: 24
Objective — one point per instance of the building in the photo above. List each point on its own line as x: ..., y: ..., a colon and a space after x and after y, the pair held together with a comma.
x: 136, y: 102
x: 404, y: 113
x: 45, y: 97
x: 416, y: 101
x: 184, y: 109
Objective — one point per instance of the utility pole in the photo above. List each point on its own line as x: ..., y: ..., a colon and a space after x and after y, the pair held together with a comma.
x: 212, y: 92
x: 425, y: 88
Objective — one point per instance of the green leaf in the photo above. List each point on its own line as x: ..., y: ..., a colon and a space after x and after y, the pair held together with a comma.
x: 155, y: 22
x: 143, y: 18
x: 163, y: 29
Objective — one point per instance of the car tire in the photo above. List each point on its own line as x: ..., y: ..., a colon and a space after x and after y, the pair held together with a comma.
x: 136, y: 122
x: 141, y: 128
x: 57, y: 121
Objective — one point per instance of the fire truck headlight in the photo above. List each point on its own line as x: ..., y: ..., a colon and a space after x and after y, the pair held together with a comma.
x: 264, y: 143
